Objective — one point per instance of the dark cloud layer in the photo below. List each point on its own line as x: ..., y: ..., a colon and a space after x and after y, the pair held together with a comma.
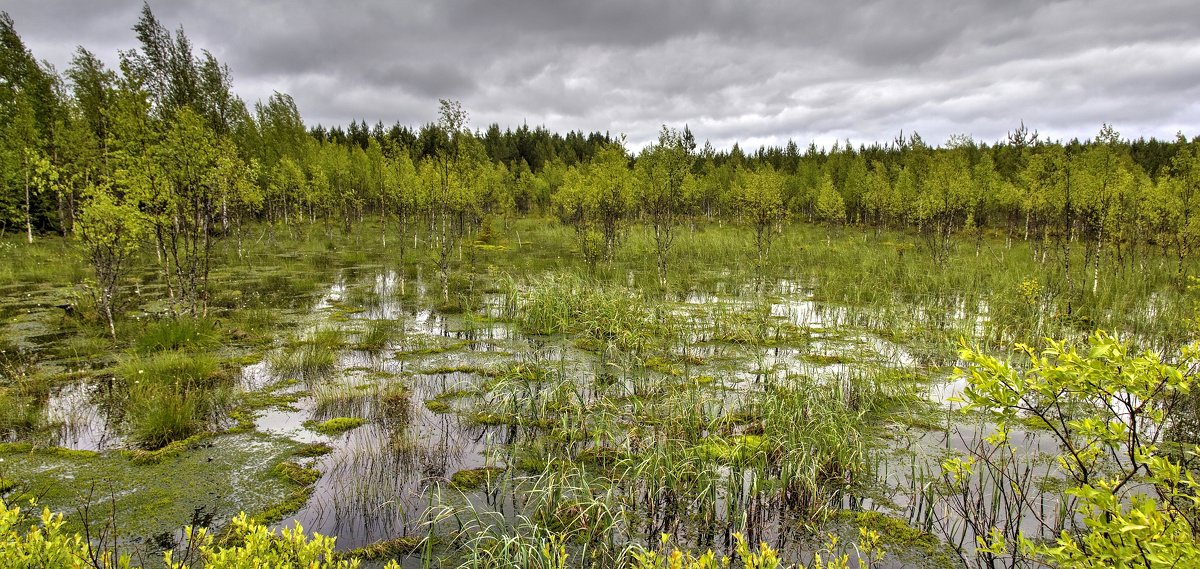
x: 757, y: 72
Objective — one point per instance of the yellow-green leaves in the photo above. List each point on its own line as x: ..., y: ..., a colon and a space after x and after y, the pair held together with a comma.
x: 760, y: 198
x: 1105, y: 407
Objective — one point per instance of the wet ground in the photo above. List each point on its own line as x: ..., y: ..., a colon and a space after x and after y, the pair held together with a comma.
x: 432, y: 406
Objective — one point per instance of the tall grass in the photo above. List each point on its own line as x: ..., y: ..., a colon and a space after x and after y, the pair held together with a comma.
x: 310, y: 355
x: 378, y: 334
x: 192, y: 370
x: 177, y: 334
x: 173, y: 395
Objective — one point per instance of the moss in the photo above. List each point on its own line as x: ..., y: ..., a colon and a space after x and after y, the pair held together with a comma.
x: 292, y: 503
x: 297, y: 474
x: 532, y: 373
x: 602, y: 456
x: 271, y: 397
x: 589, y: 345
x: 493, y: 419
x: 430, y: 350
x: 227, y: 474
x: 911, y: 545
x: 144, y: 457
x: 335, y: 426
x: 459, y: 368
x: 663, y: 366
x: 733, y: 449
x: 313, y: 450
x: 386, y: 549
x: 827, y: 359
x: 474, y: 478
x: 246, y: 360
x: 69, y: 453
x: 395, y: 394
x: 15, y: 448
x: 243, y: 420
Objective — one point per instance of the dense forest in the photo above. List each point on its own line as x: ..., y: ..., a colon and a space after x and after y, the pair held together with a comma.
x: 494, y: 347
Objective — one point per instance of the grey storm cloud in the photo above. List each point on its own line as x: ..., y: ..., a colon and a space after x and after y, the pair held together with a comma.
x: 753, y: 72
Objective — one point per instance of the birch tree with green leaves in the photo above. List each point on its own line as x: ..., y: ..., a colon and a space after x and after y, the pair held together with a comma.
x: 760, y: 199
x: 663, y: 169
x: 1185, y: 188
x: 596, y: 199
x: 111, y: 229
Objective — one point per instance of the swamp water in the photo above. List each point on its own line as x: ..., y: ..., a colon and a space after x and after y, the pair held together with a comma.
x: 593, y: 428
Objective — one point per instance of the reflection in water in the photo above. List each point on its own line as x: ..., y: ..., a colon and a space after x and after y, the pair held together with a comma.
x: 433, y: 395
x: 80, y: 421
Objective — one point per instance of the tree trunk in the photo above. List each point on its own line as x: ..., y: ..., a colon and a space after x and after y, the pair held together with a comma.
x: 28, y: 207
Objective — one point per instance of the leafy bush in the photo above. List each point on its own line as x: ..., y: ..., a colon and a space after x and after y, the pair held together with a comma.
x: 41, y: 542
x: 1107, y: 409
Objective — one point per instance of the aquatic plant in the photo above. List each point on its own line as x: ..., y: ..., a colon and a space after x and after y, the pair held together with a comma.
x: 335, y: 426
x: 177, y: 334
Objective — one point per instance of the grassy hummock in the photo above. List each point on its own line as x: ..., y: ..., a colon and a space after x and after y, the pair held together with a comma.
x: 335, y: 426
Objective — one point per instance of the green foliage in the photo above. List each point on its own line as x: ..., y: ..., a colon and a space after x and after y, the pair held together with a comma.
x: 178, y: 334
x: 609, y: 315
x: 335, y: 426
x: 42, y: 542
x: 309, y: 356
x: 378, y: 333
x: 1106, y: 407
x: 831, y: 207
x: 595, y: 199
x: 760, y: 199
x: 111, y: 229
x: 474, y: 478
x: 160, y: 414
x: 174, y: 367
x: 297, y: 474
x: 663, y: 171
x: 259, y: 546
x: 172, y: 394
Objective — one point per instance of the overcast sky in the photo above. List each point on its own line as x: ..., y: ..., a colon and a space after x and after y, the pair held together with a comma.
x: 757, y: 73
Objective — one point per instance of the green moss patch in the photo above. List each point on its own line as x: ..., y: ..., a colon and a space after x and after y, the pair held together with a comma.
x: 386, y: 549
x: 335, y: 426
x: 297, y: 474
x: 222, y: 475
x: 474, y: 478
x: 732, y: 449
x: 313, y: 450
x: 144, y: 457
x: 910, y: 545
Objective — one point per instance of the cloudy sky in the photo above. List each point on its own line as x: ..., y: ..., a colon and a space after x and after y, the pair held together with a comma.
x: 757, y: 73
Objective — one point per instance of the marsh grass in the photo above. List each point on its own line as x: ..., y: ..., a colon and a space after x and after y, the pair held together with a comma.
x: 176, y: 334
x: 48, y: 260
x: 309, y: 356
x: 570, y: 304
x: 194, y: 370
x: 159, y: 414
x: 20, y: 415
x: 173, y: 394
x: 646, y: 419
x: 378, y: 334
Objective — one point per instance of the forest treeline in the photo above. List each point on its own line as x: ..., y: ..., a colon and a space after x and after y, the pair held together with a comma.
x: 161, y: 153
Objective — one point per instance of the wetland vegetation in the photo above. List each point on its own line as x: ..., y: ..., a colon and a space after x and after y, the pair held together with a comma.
x: 493, y: 349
